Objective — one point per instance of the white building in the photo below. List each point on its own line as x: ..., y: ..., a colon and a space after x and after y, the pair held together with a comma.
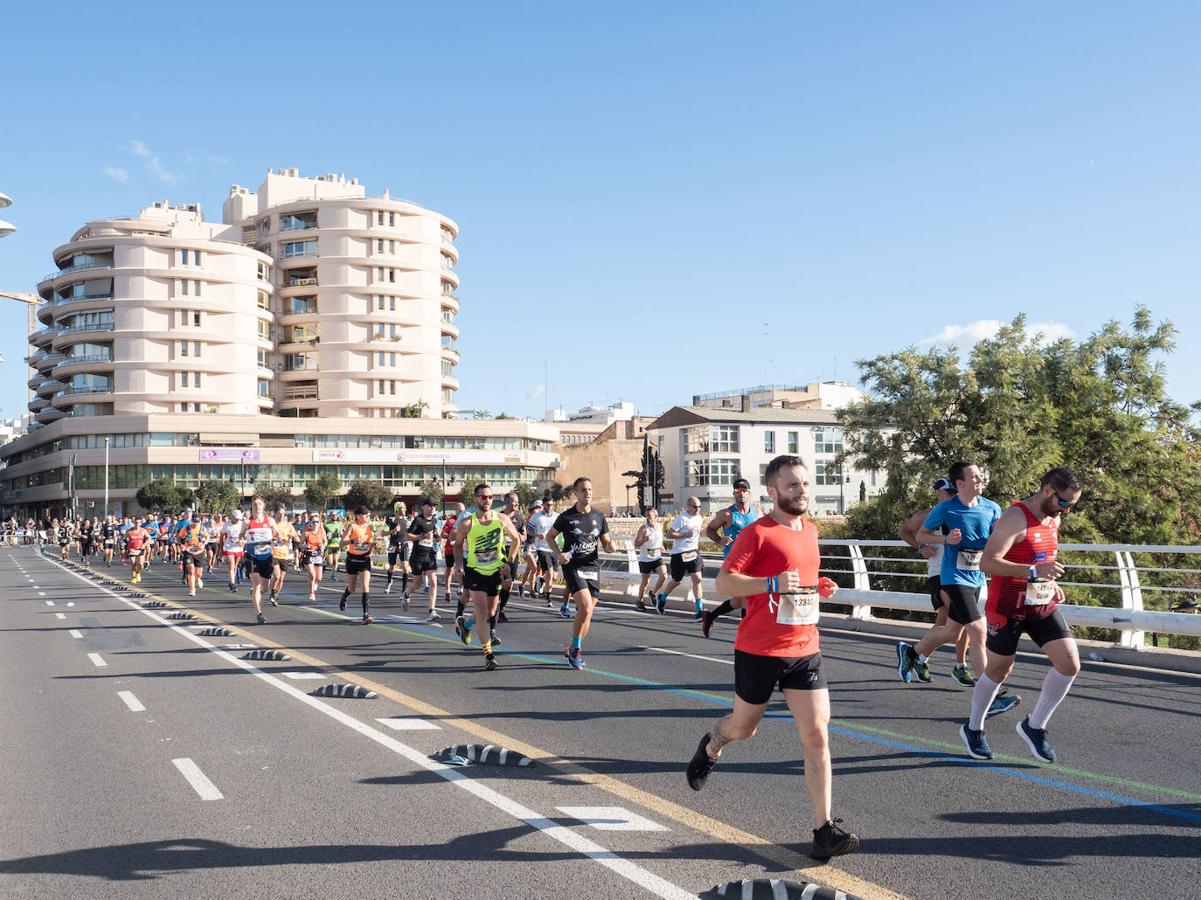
x: 704, y: 450
x: 814, y: 395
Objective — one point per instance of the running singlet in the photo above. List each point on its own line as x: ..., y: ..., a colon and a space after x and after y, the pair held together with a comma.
x: 312, y: 538
x: 653, y: 548
x: 233, y: 537
x: 136, y: 538
x: 193, y: 539
x: 258, y: 538
x: 738, y: 521
x: 281, y: 547
x: 333, y: 534
x: 398, y: 530
x: 686, y: 545
x: 1015, y: 598
x: 540, y: 524
x: 484, y: 542
x: 777, y: 624
x: 359, y: 539
x: 448, y: 536
x: 581, y: 535
x: 961, y: 562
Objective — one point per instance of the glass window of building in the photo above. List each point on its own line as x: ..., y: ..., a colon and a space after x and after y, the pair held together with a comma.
x: 827, y: 440
x: 769, y: 442
x: 794, y: 442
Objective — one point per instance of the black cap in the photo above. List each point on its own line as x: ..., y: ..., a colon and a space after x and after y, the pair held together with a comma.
x: 943, y: 484
x: 742, y: 483
x: 427, y: 501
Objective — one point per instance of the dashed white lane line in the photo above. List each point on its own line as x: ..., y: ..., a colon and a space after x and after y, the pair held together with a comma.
x: 75, y: 633
x: 131, y: 701
x: 400, y: 724
x: 611, y: 818
x: 302, y: 676
x: 197, y: 779
x: 70, y: 603
x: 48, y: 602
x: 60, y: 615
x: 97, y: 660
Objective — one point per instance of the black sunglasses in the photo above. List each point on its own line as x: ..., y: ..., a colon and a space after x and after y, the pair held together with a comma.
x: 1065, y: 504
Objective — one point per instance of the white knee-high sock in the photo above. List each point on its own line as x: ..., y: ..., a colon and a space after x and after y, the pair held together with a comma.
x: 982, y: 697
x: 1055, y: 688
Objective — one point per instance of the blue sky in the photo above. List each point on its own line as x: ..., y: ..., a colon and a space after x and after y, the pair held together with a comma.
x: 647, y: 190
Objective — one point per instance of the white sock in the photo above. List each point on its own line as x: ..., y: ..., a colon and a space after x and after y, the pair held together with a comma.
x: 922, y: 658
x: 1055, y: 688
x: 982, y: 697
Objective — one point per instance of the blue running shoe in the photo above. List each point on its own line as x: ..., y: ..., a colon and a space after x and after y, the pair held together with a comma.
x: 463, y: 631
x: 904, y: 666
x: 976, y: 743
x: 574, y: 658
x: 661, y: 606
x: 564, y: 611
x: 1036, y: 740
x: 1003, y: 702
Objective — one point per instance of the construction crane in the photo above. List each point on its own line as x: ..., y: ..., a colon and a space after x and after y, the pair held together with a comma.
x: 31, y: 313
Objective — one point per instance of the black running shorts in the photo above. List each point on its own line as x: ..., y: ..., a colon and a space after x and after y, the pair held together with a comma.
x: 397, y: 553
x: 546, y: 562
x: 965, y: 602
x: 1004, y: 634
x: 680, y: 568
x: 755, y: 676
x: 423, y: 560
x: 261, y: 566
x: 934, y: 586
x: 356, y: 565
x: 196, y: 560
x: 450, y: 561
x: 650, y: 566
x: 582, y: 578
x: 486, y: 583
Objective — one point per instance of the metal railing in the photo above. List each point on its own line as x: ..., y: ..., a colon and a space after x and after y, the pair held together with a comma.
x: 860, y: 573
x: 96, y: 326
x: 78, y: 267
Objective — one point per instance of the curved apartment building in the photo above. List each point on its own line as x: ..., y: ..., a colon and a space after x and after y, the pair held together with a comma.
x: 154, y: 313
x: 365, y: 297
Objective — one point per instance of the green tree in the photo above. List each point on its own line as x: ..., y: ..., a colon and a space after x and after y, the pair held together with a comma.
x: 317, y: 492
x: 415, y: 410
x: 273, y: 495
x: 481, y: 414
x: 527, y: 495
x: 370, y: 494
x: 161, y: 495
x: 218, y: 496
x: 432, y: 489
x: 467, y: 491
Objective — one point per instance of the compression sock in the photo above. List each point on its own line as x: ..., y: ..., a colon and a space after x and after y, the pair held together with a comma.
x: 460, y: 606
x: 469, y: 623
x: 491, y: 623
x: 722, y: 608
x: 577, y: 641
x: 345, y: 595
x: 366, y: 602
x: 700, y: 604
x: 1055, y: 688
x: 404, y: 581
x: 982, y: 697
x: 389, y: 578
x: 504, y: 596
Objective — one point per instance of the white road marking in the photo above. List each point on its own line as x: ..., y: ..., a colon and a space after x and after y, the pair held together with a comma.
x: 35, y: 587
x: 75, y: 633
x: 131, y: 701
x: 302, y: 676
x: 724, y: 662
x: 631, y: 871
x: 97, y: 660
x: 399, y: 724
x: 611, y: 818
x: 198, y: 780
x: 48, y: 602
x: 60, y: 615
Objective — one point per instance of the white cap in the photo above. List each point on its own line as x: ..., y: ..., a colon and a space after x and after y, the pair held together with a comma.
x: 237, y: 514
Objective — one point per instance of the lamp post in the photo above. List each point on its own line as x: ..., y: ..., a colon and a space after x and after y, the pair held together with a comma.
x: 106, y: 476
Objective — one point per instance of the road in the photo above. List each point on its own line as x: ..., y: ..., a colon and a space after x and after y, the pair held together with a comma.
x: 141, y: 758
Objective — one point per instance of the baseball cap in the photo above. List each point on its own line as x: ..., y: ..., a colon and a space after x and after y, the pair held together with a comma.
x: 943, y: 484
x: 427, y: 501
x: 742, y: 483
x: 237, y: 514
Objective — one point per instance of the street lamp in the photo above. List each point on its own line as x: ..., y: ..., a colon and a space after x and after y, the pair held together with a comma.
x: 6, y: 228
x: 106, y: 477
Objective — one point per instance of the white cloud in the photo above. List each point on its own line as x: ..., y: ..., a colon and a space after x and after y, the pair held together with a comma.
x: 153, y: 164
x: 982, y: 329
x: 536, y: 391
x: 116, y: 174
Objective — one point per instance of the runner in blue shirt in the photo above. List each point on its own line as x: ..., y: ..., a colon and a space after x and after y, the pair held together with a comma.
x: 723, y: 529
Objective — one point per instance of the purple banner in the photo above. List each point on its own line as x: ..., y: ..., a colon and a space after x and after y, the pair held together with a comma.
x: 228, y: 454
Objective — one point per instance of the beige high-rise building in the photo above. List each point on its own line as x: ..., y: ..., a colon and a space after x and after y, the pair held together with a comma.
x: 366, y: 296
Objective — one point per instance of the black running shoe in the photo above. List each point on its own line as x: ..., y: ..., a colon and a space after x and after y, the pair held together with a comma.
x: 493, y: 638
x: 271, y: 598
x: 831, y: 840
x: 489, y: 662
x: 700, y: 765
x: 262, y: 620
x: 501, y: 617
x: 707, y: 621
x: 342, y: 603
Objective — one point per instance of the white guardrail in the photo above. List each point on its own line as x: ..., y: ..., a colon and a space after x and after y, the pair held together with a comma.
x: 1128, y: 615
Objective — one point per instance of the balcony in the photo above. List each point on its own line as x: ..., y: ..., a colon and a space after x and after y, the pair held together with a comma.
x: 48, y: 387
x: 304, y: 281
x: 74, y: 329
x: 294, y: 222
x: 42, y: 336
x: 79, y: 267
x: 85, y: 389
x: 67, y: 363
x: 50, y: 414
x: 304, y: 390
x: 37, y: 404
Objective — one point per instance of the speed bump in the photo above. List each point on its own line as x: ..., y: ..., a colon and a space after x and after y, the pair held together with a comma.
x: 260, y: 653
x: 484, y: 755
x: 151, y: 604
x: 215, y: 632
x: 355, y: 691
x: 182, y: 617
x: 773, y: 889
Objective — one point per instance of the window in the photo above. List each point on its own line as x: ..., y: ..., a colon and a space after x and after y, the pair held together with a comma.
x: 264, y: 387
x: 826, y: 474
x: 391, y: 304
x: 769, y: 442
x: 827, y: 440
x: 705, y: 472
x: 294, y: 362
x: 264, y: 331
x: 183, y: 287
x: 391, y: 218
x: 301, y: 305
x: 448, y: 396
x: 264, y: 271
x: 196, y: 318
x: 196, y: 288
x: 196, y: 378
x: 262, y: 358
x: 392, y: 276
x: 379, y: 331
x: 183, y: 348
x: 794, y: 442
x: 294, y: 249
x: 379, y: 303
x: 379, y: 245
x: 183, y: 379
x: 264, y: 300
x: 448, y: 368
x: 297, y: 221
x: 196, y: 348
x: 183, y: 257
x: 379, y: 217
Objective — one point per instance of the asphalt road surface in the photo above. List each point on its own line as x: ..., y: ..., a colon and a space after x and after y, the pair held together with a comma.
x: 141, y: 759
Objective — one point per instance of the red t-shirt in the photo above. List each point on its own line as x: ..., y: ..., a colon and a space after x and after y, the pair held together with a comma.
x: 764, y: 549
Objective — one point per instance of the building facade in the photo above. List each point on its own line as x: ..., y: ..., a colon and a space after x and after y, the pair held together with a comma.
x: 704, y: 450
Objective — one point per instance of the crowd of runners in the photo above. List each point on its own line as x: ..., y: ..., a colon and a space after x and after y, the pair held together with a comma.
x: 769, y: 574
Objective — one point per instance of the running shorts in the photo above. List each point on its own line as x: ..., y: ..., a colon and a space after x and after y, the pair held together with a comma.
x: 488, y: 584
x: 281, y: 563
x: 450, y: 561
x: 650, y: 566
x: 582, y: 579
x: 755, y: 676
x: 423, y: 560
x: 934, y: 586
x: 546, y: 562
x: 356, y: 565
x: 1004, y: 633
x: 680, y: 568
x: 313, y: 558
x: 134, y: 554
x: 262, y: 567
x: 194, y: 559
x: 397, y: 553
x: 965, y: 602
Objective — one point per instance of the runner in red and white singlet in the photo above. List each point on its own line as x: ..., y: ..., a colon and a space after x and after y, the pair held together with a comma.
x: 1023, y: 598
x: 774, y: 565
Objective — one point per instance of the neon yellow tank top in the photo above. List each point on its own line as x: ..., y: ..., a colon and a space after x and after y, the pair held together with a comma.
x: 484, y: 544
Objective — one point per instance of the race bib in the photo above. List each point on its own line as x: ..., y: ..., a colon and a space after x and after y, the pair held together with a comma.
x: 968, y: 560
x: 487, y: 556
x: 800, y: 608
x: 360, y: 548
x: 1039, y: 593
x: 688, y: 555
x: 260, y: 549
x: 134, y: 553
x: 587, y: 574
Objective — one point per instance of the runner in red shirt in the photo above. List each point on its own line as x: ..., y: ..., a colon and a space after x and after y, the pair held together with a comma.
x: 1024, y: 598
x: 448, y: 552
x: 774, y: 565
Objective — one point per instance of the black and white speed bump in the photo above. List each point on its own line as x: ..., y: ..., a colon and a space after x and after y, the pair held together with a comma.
x: 215, y: 632
x: 182, y: 617
x: 773, y: 889
x: 151, y: 604
x: 260, y: 653
x: 355, y: 691
x: 485, y: 755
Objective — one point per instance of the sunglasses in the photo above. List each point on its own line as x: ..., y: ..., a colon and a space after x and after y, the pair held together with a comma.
x: 1065, y: 504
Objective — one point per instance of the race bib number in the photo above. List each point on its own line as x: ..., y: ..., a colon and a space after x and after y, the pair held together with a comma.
x: 1039, y: 593
x: 800, y: 608
x: 260, y: 549
x: 360, y: 548
x: 968, y: 560
x: 487, y: 556
x: 134, y: 554
x: 688, y: 555
x: 587, y: 574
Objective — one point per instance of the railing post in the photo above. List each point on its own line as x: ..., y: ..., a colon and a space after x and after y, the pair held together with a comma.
x: 1132, y: 598
x: 862, y: 581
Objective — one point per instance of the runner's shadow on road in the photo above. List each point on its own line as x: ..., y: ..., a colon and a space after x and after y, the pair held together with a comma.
x: 1037, y: 850
x: 1181, y: 815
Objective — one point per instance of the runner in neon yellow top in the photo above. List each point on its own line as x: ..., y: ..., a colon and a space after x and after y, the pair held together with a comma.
x: 480, y: 552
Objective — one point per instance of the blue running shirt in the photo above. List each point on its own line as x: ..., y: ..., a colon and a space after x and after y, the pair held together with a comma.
x: 961, y: 564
